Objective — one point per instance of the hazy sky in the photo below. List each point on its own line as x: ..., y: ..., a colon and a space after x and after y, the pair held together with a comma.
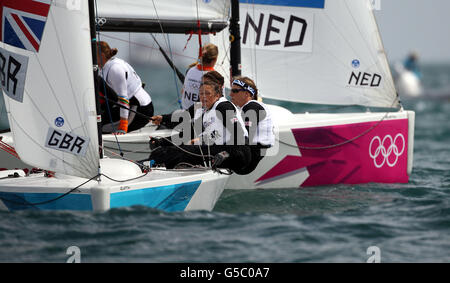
x: 423, y: 25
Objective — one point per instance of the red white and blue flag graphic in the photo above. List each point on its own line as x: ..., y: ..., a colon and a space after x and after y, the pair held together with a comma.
x: 23, y: 22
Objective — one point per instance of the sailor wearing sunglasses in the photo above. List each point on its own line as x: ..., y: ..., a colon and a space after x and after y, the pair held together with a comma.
x: 256, y: 116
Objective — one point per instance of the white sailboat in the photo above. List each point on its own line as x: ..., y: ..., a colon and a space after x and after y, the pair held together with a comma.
x: 50, y: 96
x: 306, y: 51
x: 320, y: 52
x: 325, y: 52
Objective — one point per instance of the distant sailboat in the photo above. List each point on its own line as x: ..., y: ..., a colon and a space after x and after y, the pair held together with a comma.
x: 408, y: 77
x: 49, y: 50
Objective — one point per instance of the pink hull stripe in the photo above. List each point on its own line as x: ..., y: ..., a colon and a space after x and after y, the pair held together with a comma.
x: 379, y: 156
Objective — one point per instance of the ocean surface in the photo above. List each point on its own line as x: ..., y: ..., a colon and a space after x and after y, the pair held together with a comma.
x: 401, y: 222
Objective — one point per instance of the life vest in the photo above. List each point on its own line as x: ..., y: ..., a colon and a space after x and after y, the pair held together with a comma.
x: 192, y: 83
x: 213, y: 128
x: 264, y: 134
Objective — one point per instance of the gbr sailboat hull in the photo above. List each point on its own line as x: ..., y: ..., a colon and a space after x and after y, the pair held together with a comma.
x: 168, y: 191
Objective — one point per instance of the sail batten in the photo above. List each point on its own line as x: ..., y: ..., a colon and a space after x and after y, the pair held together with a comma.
x: 327, y: 54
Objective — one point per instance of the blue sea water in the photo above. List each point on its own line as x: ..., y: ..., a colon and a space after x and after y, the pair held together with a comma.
x: 406, y: 222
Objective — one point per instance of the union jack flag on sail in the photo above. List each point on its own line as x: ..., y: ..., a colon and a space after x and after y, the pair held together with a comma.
x: 23, y: 22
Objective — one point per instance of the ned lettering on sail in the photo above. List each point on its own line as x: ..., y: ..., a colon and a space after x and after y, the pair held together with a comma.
x: 279, y: 31
x: 365, y: 79
x: 271, y: 28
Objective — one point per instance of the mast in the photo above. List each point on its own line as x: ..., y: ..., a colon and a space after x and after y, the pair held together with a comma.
x: 235, y: 40
x: 95, y: 69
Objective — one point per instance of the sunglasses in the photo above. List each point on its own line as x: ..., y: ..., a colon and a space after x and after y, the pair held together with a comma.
x: 236, y: 90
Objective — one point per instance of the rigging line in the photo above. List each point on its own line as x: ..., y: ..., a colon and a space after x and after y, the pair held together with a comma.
x: 227, y: 50
x: 51, y: 16
x: 252, y: 43
x: 199, y: 31
x: 111, y: 150
x: 25, y: 202
x: 174, y: 74
x: 347, y: 67
x: 351, y: 46
x: 104, y: 87
x: 8, y: 150
x: 3, y: 106
x: 6, y: 144
x: 85, y: 164
x: 194, y: 169
x: 339, y: 32
x: 188, y: 152
x: 180, y: 75
x: 124, y: 107
x: 68, y: 76
x: 167, y: 41
x: 144, y: 45
x: 307, y: 73
x: 198, y: 135
x: 49, y: 124
x: 199, y: 56
x: 128, y: 180
x: 254, y: 49
x: 360, y: 32
x: 385, y: 55
x: 342, y: 143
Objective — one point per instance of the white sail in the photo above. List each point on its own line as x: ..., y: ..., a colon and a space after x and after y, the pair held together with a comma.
x: 178, y: 10
x: 316, y: 51
x: 49, y: 85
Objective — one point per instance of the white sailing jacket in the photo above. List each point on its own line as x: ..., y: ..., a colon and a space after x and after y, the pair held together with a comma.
x: 213, y: 127
x: 125, y: 82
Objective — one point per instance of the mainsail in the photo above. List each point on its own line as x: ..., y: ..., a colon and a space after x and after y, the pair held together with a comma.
x: 316, y: 51
x: 174, y: 16
x: 48, y: 84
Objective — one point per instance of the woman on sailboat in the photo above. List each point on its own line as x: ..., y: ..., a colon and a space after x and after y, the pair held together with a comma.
x: 256, y: 116
x: 123, y: 79
x: 193, y: 79
x: 223, y: 136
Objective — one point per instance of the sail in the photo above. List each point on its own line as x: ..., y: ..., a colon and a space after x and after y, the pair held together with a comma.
x: 4, y: 124
x: 174, y: 16
x: 316, y: 51
x: 48, y: 84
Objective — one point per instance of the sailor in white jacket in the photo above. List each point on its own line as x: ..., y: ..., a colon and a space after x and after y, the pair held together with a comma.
x: 123, y: 79
x: 222, y: 134
x: 193, y: 79
x: 256, y: 116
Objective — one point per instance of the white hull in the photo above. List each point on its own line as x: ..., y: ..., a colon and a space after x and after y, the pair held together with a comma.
x: 289, y: 164
x: 325, y: 149
x: 163, y: 190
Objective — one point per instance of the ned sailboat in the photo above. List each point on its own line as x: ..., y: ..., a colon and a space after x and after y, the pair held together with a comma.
x: 323, y: 52
x: 306, y: 51
x: 48, y: 52
x: 318, y: 52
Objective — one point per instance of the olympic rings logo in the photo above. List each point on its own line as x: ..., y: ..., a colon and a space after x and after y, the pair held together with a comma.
x: 386, y: 153
x: 100, y: 21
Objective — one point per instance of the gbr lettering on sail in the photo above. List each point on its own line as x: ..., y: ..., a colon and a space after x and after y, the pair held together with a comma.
x: 276, y: 28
